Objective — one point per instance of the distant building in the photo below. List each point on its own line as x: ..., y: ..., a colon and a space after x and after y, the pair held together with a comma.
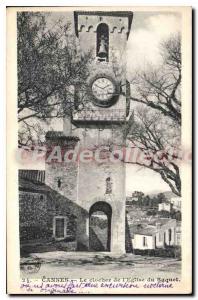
x: 176, y: 202
x: 165, y: 206
x: 134, y: 197
x: 178, y: 233
x: 128, y: 200
x: 144, y: 239
x: 155, y: 235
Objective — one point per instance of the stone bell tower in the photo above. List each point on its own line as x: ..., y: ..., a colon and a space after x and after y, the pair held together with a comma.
x: 96, y: 183
x: 101, y: 182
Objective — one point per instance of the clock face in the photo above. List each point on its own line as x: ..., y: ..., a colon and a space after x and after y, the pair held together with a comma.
x: 103, y: 89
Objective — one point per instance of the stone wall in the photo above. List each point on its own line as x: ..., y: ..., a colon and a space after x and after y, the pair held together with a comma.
x: 36, y: 213
x: 61, y: 175
x: 85, y: 183
x: 118, y: 29
x: 63, y: 178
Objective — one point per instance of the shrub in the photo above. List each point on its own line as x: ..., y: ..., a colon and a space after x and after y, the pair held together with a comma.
x: 174, y: 252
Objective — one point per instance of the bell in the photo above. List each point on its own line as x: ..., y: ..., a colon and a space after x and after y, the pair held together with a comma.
x: 102, y: 50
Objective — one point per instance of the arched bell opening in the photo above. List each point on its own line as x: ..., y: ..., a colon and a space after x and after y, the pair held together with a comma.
x: 102, y: 47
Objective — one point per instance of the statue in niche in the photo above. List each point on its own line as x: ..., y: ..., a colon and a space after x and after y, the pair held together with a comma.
x: 108, y: 186
x: 59, y: 183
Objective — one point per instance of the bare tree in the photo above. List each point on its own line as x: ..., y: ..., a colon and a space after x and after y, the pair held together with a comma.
x: 158, y: 139
x: 50, y: 68
x: 159, y: 88
x: 154, y: 127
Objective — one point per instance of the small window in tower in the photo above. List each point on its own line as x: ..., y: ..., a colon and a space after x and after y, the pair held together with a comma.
x: 59, y: 183
x: 102, y: 47
x: 108, y: 185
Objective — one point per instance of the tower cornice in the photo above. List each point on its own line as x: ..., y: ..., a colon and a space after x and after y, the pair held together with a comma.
x: 120, y: 14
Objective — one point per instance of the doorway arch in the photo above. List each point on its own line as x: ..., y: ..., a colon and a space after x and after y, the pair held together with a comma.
x: 100, y: 215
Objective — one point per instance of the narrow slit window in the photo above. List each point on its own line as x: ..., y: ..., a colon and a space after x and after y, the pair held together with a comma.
x: 108, y: 185
x: 59, y: 183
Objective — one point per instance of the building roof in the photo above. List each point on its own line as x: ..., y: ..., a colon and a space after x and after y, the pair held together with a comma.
x: 61, y: 135
x: 150, y: 228
x: 30, y: 186
x: 146, y: 231
x: 128, y: 14
x: 141, y: 229
x: 32, y: 181
x: 32, y: 175
x: 165, y: 203
x: 161, y: 221
x: 34, y: 186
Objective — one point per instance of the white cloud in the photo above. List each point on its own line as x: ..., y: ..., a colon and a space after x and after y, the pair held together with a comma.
x: 143, y: 43
x: 164, y: 25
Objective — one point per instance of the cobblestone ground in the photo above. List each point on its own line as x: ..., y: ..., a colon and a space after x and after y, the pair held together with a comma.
x: 89, y: 265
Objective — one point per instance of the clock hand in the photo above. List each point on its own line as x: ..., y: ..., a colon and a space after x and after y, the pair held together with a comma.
x: 98, y: 86
x: 107, y: 86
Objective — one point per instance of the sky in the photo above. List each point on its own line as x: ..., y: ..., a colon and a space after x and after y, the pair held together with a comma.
x: 148, y: 30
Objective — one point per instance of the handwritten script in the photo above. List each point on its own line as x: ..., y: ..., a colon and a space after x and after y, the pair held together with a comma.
x: 91, y: 286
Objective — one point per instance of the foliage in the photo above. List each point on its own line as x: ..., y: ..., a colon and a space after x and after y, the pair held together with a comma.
x: 169, y: 251
x: 164, y: 214
x: 150, y: 201
x: 151, y: 213
x: 176, y: 215
x: 50, y: 69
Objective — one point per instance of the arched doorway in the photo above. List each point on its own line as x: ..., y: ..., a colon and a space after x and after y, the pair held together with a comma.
x: 100, y: 215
